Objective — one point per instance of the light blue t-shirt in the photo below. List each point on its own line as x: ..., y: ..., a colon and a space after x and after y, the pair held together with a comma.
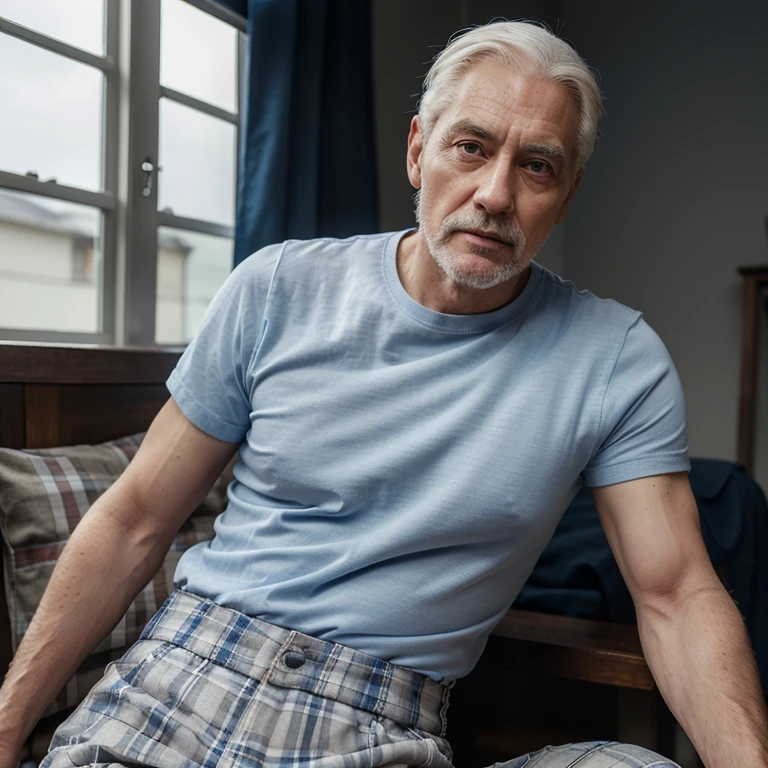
x: 400, y: 470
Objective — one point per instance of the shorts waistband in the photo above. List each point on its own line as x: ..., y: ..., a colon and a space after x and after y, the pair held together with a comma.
x: 290, y: 659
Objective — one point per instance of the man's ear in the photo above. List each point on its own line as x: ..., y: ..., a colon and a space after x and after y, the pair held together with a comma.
x: 413, y: 157
x: 564, y: 209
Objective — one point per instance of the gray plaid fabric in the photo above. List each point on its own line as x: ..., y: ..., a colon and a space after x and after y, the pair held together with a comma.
x: 208, y: 686
x: 594, y: 754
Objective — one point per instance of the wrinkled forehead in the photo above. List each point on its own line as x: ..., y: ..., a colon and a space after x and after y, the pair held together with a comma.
x: 501, y: 99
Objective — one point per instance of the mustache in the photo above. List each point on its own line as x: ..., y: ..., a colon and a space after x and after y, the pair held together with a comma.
x: 500, y: 230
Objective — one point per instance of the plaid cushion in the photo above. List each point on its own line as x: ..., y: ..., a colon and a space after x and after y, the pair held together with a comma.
x: 43, y: 496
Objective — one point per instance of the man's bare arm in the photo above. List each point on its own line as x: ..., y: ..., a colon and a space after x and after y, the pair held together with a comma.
x: 112, y: 554
x: 692, y: 633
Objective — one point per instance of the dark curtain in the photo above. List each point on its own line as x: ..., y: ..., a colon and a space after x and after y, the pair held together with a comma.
x: 307, y: 153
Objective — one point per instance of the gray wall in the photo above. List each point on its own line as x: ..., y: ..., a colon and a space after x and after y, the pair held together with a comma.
x: 675, y: 195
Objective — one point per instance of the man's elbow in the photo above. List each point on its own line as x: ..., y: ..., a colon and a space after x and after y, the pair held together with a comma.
x: 664, y: 596
x: 126, y: 511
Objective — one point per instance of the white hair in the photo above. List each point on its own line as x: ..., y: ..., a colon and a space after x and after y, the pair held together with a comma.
x: 525, y: 47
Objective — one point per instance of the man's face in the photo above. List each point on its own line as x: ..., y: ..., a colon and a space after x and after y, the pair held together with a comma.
x: 497, y: 172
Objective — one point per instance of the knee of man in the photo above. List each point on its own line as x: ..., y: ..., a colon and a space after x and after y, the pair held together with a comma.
x: 633, y: 757
x: 595, y: 754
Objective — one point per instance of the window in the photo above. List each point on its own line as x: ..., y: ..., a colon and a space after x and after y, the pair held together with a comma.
x: 118, y: 167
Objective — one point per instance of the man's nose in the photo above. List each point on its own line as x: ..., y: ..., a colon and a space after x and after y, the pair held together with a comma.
x: 496, y: 189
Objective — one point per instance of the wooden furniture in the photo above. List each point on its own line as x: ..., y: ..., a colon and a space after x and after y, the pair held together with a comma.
x: 754, y: 288
x: 576, y: 649
x: 56, y: 395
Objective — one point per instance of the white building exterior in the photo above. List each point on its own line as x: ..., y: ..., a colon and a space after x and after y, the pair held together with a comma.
x: 50, y: 271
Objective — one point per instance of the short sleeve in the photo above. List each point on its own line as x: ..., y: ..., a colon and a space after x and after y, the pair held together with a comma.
x: 643, y: 429
x: 210, y: 381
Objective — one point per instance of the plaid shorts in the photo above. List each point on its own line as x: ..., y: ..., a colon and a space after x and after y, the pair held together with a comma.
x: 208, y: 686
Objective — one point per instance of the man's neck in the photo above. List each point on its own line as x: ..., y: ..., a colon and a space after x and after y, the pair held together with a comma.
x: 426, y: 283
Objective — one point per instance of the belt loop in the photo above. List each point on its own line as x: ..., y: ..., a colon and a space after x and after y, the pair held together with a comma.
x: 381, y: 699
x: 444, y: 708
x: 328, y: 669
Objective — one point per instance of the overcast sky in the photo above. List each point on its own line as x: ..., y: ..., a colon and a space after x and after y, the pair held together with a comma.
x: 50, y: 107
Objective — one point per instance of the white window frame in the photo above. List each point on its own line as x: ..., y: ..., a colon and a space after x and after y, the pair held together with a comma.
x: 130, y: 221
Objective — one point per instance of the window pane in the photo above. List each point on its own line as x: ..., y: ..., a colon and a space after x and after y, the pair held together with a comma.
x: 51, y: 115
x: 79, y: 23
x: 50, y: 264
x: 198, y: 54
x: 190, y: 269
x: 198, y: 164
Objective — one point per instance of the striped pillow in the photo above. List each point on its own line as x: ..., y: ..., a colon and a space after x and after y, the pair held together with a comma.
x: 43, y: 496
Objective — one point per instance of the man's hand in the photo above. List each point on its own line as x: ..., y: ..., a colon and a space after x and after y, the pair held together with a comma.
x: 115, y: 550
x: 692, y: 633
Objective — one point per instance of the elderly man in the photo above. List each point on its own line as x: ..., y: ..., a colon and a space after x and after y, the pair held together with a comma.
x: 413, y: 411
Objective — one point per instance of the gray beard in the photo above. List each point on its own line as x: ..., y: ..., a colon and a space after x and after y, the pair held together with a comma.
x: 439, y: 248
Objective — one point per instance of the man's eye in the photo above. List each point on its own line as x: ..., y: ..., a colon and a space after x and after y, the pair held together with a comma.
x: 470, y: 148
x: 539, y: 166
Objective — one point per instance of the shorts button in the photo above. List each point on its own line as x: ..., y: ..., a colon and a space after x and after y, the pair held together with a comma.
x: 294, y: 659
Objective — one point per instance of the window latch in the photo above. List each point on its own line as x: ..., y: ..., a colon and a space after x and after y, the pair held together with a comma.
x: 148, y: 168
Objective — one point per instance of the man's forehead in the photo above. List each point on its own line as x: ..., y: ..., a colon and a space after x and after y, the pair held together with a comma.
x: 494, y: 97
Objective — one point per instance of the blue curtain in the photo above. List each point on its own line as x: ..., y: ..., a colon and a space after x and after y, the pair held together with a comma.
x: 307, y: 153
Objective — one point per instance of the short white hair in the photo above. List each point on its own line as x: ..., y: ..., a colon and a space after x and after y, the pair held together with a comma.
x: 525, y: 47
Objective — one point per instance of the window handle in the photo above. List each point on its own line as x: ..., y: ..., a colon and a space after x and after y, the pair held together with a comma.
x: 148, y: 168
